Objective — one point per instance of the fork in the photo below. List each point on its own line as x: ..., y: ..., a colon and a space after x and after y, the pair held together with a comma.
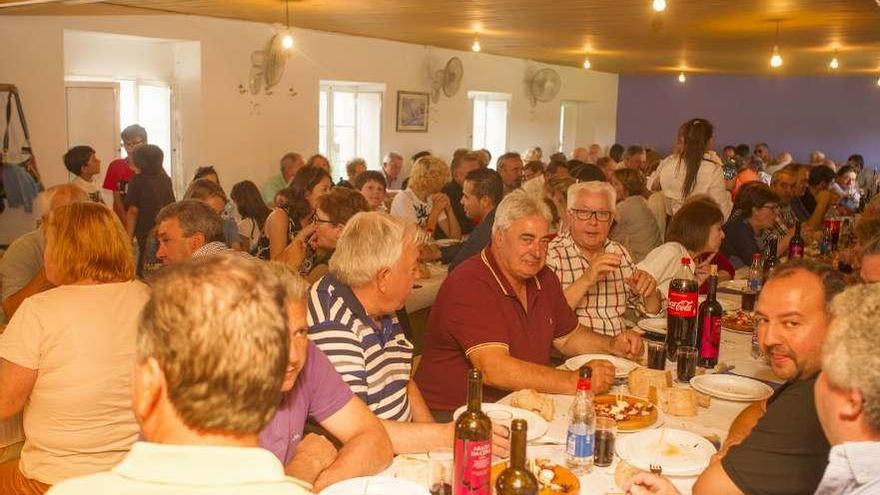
x: 656, y: 469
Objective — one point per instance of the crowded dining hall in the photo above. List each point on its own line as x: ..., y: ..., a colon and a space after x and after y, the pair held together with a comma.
x: 404, y: 247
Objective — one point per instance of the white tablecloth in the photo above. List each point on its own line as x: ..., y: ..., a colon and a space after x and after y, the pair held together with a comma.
x: 425, y: 292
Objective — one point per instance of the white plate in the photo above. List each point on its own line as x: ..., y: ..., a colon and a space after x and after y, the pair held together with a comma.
x: 682, y: 454
x: 739, y: 284
x: 537, y: 424
x: 732, y: 387
x: 653, y: 325
x: 622, y: 366
x: 375, y: 485
x: 750, y: 368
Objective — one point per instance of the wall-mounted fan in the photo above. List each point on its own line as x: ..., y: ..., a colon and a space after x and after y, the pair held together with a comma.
x: 543, y: 86
x: 267, y: 66
x: 447, y: 80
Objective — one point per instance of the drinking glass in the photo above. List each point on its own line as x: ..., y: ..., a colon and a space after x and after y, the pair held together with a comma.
x: 656, y: 354
x: 500, y: 417
x: 686, y: 359
x: 606, y: 431
x: 440, y: 472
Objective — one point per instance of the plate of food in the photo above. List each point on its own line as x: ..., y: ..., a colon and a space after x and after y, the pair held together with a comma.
x: 653, y: 325
x: 732, y: 387
x: 622, y: 366
x: 678, y: 452
x: 537, y: 424
x: 630, y: 413
x: 553, y: 479
x: 740, y: 321
x: 375, y: 485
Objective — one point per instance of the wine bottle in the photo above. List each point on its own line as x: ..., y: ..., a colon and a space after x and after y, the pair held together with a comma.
x: 709, y: 330
x: 517, y: 479
x: 796, y: 245
x: 472, y: 457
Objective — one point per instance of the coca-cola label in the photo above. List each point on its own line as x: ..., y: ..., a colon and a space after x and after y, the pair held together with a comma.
x: 682, y: 304
x: 473, y: 465
x: 711, y: 337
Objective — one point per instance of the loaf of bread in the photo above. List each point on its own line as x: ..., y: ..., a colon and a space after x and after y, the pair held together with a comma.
x: 624, y: 472
x: 531, y: 400
x: 678, y: 401
x: 641, y: 380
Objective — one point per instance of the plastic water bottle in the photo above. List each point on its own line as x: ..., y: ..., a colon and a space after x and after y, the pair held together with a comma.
x: 756, y: 274
x: 581, y: 428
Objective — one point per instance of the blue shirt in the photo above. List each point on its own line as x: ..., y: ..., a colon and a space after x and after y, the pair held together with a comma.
x: 852, y: 469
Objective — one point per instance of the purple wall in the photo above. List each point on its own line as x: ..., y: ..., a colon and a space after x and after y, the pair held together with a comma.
x: 838, y: 115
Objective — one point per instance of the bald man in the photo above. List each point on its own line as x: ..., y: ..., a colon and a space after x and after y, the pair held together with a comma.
x: 580, y: 154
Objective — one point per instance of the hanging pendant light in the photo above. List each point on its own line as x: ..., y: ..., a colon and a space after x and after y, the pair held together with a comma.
x: 287, y: 39
x: 681, y: 77
x: 476, y: 46
x: 776, y: 58
x: 659, y: 5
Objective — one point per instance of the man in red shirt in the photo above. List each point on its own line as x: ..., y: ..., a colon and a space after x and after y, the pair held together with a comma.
x: 119, y: 171
x: 502, y: 312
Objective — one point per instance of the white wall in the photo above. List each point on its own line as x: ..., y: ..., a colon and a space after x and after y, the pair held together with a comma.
x: 221, y: 127
x: 91, y: 54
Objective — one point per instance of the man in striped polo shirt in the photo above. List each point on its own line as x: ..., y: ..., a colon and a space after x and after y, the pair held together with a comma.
x: 351, y: 319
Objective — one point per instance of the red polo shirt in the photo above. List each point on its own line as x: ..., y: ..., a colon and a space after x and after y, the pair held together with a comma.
x: 476, y: 307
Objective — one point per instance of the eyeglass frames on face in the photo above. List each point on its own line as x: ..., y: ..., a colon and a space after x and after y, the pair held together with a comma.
x: 586, y: 215
x: 317, y: 219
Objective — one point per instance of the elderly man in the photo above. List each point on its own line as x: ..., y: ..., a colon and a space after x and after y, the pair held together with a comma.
x: 234, y: 345
x: 777, y: 446
x: 791, y: 209
x: 352, y: 319
x: 870, y: 253
x: 581, y: 155
x: 460, y: 167
x: 635, y: 157
x: 595, y: 153
x: 510, y: 168
x: 313, y: 389
x: 503, y: 312
x: 483, y: 191
x: 21, y: 267
x: 598, y: 275
x: 190, y: 229
x: 392, y: 165
x: 290, y: 163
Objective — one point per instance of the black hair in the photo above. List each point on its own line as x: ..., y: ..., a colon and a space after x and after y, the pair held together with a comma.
x: 78, y: 157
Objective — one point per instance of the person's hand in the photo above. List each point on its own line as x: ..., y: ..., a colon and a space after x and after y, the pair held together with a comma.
x: 500, y: 440
x: 295, y: 252
x: 642, y: 283
x: 313, y: 455
x: 647, y: 483
x: 601, y: 266
x: 440, y: 201
x: 627, y: 344
x: 702, y: 268
x: 602, y: 377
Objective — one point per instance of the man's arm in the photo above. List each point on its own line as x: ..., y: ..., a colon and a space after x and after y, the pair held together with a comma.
x: 420, y: 411
x: 584, y: 341
x: 501, y: 370
x: 131, y: 216
x: 16, y: 384
x: 715, y: 481
x: 410, y: 438
x: 119, y: 206
x: 37, y: 284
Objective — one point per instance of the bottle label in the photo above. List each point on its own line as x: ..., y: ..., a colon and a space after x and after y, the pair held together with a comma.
x: 473, y: 465
x: 796, y: 251
x: 580, y: 442
x: 682, y: 304
x: 711, y: 337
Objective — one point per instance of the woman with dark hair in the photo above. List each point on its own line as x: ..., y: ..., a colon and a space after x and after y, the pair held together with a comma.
x: 207, y: 172
x: 253, y: 213
x: 755, y: 211
x: 634, y: 225
x: 294, y: 216
x: 696, y: 170
x: 694, y: 232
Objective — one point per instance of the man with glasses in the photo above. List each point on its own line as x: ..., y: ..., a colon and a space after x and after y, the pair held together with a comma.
x: 120, y: 171
x: 503, y: 312
x: 190, y: 229
x: 599, y: 277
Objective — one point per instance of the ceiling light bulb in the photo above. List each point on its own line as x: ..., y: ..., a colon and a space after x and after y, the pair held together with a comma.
x: 659, y: 5
x: 878, y: 81
x: 587, y: 63
x: 776, y: 59
x: 476, y: 46
x: 681, y: 77
x: 834, y: 63
x: 287, y: 41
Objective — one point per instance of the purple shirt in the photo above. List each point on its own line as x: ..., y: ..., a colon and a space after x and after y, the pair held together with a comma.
x: 319, y: 393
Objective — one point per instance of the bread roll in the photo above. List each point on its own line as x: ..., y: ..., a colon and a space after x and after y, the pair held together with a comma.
x: 531, y: 400
x: 640, y: 381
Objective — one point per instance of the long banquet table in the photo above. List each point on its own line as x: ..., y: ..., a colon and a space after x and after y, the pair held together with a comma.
x: 712, y: 421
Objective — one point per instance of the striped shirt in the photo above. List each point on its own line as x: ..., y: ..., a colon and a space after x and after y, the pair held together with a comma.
x: 604, y: 305
x: 374, y: 359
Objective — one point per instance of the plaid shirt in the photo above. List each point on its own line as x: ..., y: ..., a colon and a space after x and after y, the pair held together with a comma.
x: 604, y: 305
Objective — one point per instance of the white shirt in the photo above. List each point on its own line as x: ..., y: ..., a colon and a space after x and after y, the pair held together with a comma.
x: 90, y: 188
x: 408, y: 206
x: 852, y: 469
x: 663, y: 262
x: 710, y: 180
x: 163, y: 469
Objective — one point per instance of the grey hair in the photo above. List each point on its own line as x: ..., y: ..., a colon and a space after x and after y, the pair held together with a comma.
x: 519, y: 204
x: 296, y: 289
x: 391, y: 156
x: 370, y: 242
x: 194, y: 217
x: 217, y: 328
x: 849, y: 355
x: 593, y: 186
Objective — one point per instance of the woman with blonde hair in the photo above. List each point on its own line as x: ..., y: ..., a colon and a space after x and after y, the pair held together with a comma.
x: 65, y: 358
x: 423, y: 204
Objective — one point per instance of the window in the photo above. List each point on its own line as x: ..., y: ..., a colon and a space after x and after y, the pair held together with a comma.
x: 350, y: 123
x: 149, y: 105
x: 490, y: 122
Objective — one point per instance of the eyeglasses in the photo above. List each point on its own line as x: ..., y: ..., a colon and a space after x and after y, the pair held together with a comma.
x: 317, y: 219
x: 585, y: 215
x: 132, y: 143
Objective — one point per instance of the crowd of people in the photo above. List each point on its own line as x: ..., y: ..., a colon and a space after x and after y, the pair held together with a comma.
x: 274, y: 317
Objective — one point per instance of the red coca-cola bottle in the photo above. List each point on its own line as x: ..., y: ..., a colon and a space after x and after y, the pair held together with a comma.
x: 681, y: 309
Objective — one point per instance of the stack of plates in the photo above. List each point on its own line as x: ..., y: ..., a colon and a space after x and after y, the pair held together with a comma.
x: 622, y: 366
x: 732, y: 387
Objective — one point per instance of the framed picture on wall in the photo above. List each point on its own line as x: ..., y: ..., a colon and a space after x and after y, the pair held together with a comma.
x: 412, y: 111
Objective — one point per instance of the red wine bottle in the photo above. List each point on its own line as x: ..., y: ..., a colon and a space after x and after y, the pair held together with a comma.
x: 472, y: 456
x: 709, y: 329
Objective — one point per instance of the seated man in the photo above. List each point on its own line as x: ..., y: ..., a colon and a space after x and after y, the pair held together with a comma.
x: 598, y: 275
x: 459, y: 169
x: 190, y: 229
x: 510, y: 168
x: 207, y: 377
x: 352, y: 319
x: 290, y: 163
x: 312, y: 388
x: 778, y: 446
x: 481, y: 193
x: 870, y: 270
x: 503, y: 312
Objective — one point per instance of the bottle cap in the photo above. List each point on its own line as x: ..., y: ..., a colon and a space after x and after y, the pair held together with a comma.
x: 686, y: 261
x: 519, y: 424
x: 756, y: 256
x: 585, y: 372
x: 584, y: 384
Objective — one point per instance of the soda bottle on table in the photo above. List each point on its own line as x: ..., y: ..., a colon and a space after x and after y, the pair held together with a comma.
x: 681, y: 309
x: 472, y: 456
x: 796, y: 245
x: 517, y: 479
x: 580, y: 441
x: 709, y: 330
